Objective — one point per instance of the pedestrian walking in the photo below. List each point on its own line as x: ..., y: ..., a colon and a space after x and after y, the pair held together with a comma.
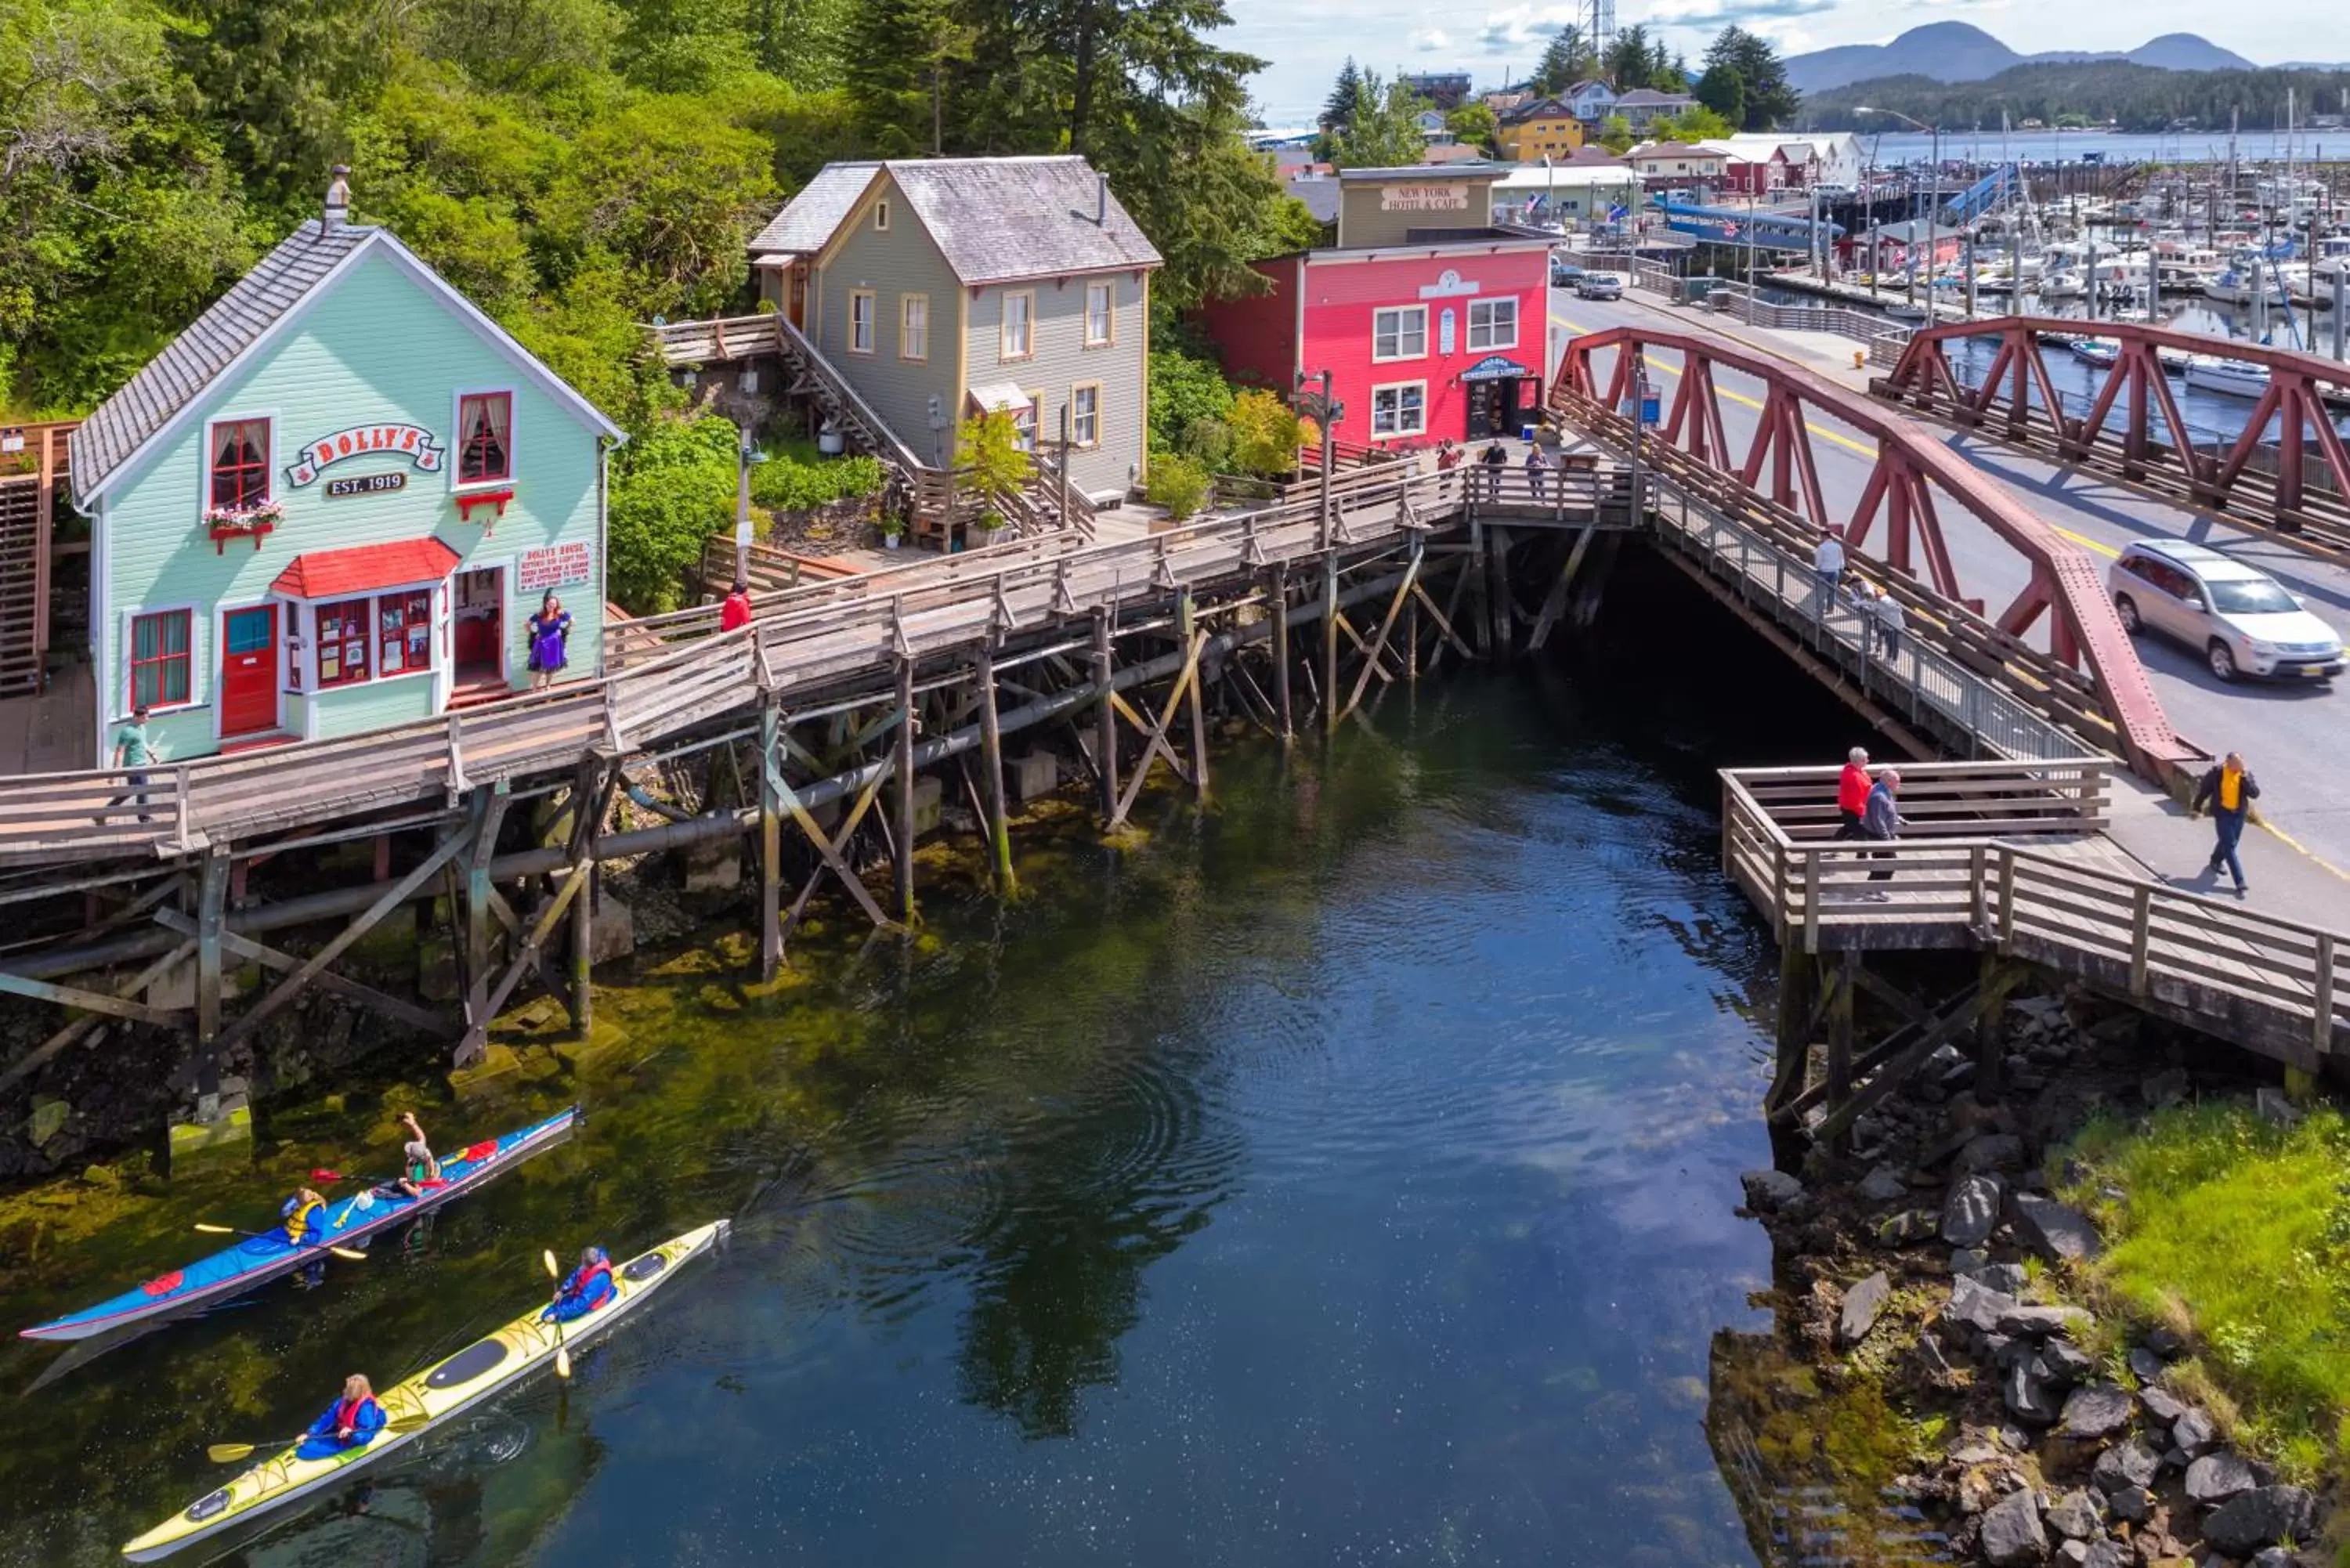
x: 1852, y: 792
x: 1447, y: 456
x: 1889, y: 623
x: 1537, y: 464
x: 2228, y: 791
x: 132, y: 750
x: 736, y: 609
x: 1493, y: 460
x: 1827, y: 566
x: 1881, y: 820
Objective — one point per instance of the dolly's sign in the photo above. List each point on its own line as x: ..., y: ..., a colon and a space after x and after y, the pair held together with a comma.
x: 411, y: 441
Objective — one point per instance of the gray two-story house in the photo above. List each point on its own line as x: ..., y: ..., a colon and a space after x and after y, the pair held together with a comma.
x: 940, y: 287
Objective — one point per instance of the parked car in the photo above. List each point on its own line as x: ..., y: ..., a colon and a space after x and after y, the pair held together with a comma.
x: 2242, y: 619
x: 1563, y: 274
x: 1599, y: 285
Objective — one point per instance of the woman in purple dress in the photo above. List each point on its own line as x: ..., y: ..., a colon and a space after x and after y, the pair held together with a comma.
x: 550, y: 628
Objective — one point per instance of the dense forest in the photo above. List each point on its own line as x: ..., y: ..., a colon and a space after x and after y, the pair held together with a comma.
x: 2134, y: 97
x: 575, y: 166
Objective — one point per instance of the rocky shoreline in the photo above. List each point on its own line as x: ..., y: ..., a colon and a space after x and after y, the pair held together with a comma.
x: 1934, y: 1260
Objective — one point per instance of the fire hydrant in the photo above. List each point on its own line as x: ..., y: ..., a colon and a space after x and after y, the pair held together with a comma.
x: 1860, y: 359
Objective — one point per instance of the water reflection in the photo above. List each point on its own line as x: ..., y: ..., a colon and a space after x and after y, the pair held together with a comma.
x: 1345, y: 1177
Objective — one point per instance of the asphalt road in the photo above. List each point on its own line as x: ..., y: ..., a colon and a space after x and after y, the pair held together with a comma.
x: 2295, y: 738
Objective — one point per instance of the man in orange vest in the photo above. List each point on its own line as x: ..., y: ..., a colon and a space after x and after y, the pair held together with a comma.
x: 2229, y: 790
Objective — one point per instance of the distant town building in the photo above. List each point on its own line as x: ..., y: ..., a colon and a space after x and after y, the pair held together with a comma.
x: 1445, y: 90
x: 940, y: 287
x: 1449, y: 152
x: 1642, y: 107
x: 1545, y: 128
x: 1432, y: 125
x: 1893, y: 247
x: 1664, y: 164
x: 1590, y: 187
x: 1590, y: 101
x: 1431, y: 320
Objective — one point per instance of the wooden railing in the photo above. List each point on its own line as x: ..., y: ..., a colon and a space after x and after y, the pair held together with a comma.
x: 1992, y: 856
x: 724, y: 337
x: 666, y: 674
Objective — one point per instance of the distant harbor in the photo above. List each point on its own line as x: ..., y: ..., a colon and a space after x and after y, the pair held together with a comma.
x: 1981, y: 146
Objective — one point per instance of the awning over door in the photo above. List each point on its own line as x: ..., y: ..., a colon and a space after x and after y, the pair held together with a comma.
x: 364, y: 568
x: 1000, y: 396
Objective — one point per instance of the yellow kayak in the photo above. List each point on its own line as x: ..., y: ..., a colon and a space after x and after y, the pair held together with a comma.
x: 481, y: 1369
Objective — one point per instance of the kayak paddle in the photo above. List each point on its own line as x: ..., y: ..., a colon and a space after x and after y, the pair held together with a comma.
x: 562, y: 1355
x: 229, y: 1453
x: 344, y: 1253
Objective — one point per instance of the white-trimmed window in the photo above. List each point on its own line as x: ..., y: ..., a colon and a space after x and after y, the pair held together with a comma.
x: 1399, y: 332
x: 1492, y: 324
x: 1024, y: 420
x: 860, y: 321
x: 1019, y: 341
x: 1101, y: 316
x: 1401, y: 409
x: 1085, y: 414
x: 881, y: 215
x: 913, y: 327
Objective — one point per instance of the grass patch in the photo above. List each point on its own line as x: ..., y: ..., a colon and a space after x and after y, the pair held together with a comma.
x: 2236, y: 1232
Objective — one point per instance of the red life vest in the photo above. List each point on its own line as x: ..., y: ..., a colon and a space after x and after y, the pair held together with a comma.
x: 347, y: 1413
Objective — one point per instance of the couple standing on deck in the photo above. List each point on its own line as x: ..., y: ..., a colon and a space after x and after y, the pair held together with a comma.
x: 1868, y: 808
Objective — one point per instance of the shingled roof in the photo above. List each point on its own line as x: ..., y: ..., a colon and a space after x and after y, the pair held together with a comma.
x: 165, y: 387
x: 995, y: 219
x: 174, y: 377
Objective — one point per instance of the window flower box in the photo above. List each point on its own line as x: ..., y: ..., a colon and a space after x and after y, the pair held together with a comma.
x: 223, y: 524
x: 497, y: 496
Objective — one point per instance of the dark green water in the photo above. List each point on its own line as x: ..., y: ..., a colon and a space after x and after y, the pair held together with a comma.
x: 1346, y: 1177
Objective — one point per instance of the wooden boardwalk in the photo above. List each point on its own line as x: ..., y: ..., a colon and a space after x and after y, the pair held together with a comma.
x: 2014, y: 862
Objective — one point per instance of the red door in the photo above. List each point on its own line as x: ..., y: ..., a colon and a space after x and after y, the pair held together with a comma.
x: 249, y: 671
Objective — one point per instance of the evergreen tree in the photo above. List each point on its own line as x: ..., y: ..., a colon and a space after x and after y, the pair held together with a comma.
x: 1629, y: 62
x: 1770, y: 101
x: 1723, y: 91
x: 1564, y: 61
x: 1339, y: 109
x: 1383, y: 130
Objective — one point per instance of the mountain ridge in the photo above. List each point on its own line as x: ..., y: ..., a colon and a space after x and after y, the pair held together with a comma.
x: 1963, y: 52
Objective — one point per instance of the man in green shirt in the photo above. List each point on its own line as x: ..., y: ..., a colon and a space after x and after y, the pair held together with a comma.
x: 132, y: 751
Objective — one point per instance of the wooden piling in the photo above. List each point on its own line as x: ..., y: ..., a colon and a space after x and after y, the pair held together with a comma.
x: 904, y: 834
x: 1839, y: 1064
x: 1793, y: 1035
x: 211, y: 913
x: 770, y: 845
x: 1329, y: 693
x: 1105, y: 717
x: 990, y: 752
x: 1185, y: 627
x: 1280, y: 651
x: 1991, y: 1035
x: 1498, y: 603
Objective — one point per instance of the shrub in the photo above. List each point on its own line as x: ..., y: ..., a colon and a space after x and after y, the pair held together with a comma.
x: 1266, y: 434
x: 1185, y: 388
x: 672, y: 487
x: 1208, y: 442
x: 788, y: 485
x: 1176, y: 483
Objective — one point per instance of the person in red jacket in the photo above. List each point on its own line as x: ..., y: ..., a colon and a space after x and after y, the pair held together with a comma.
x: 1852, y: 792
x: 736, y: 610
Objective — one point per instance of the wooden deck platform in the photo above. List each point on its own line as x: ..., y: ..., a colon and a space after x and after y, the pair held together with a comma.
x: 2015, y: 861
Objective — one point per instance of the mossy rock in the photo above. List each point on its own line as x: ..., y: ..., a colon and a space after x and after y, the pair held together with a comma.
x: 603, y: 1038
x: 223, y: 1145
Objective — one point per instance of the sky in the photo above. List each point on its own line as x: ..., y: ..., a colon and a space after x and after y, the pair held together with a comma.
x: 1307, y: 40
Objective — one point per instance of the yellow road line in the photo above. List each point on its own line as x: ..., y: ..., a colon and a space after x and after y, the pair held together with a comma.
x: 2290, y: 842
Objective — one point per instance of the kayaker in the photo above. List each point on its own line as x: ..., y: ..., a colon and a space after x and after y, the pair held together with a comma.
x: 304, y: 1216
x: 423, y: 1171
x: 351, y: 1422
x: 589, y: 1287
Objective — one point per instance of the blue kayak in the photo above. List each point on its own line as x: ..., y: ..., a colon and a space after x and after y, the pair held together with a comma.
x: 267, y: 1256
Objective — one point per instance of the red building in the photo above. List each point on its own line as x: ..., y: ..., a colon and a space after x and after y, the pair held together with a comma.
x: 1431, y: 322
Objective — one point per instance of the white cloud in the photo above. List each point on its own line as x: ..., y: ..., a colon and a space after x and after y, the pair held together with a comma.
x: 1431, y: 41
x: 1521, y: 28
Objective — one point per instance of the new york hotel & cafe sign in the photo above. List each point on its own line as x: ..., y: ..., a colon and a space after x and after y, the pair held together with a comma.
x: 1451, y: 198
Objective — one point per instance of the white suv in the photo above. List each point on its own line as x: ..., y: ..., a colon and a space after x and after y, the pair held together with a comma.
x: 1599, y: 285
x: 2237, y: 616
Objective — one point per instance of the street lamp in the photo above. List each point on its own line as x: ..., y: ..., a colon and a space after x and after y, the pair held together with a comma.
x: 749, y: 455
x: 1933, y: 202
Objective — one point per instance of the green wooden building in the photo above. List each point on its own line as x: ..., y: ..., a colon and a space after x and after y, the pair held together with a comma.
x: 332, y: 504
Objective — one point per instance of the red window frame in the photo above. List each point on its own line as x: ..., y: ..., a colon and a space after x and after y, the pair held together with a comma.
x: 473, y: 453
x: 244, y: 481
x: 404, y: 630
x: 165, y: 662
x: 334, y: 621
